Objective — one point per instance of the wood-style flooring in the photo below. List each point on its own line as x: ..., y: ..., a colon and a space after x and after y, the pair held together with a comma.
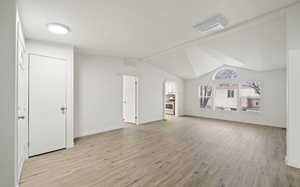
x: 181, y: 152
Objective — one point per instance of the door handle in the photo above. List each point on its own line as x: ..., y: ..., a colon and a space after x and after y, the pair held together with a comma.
x: 63, y: 109
x: 21, y: 117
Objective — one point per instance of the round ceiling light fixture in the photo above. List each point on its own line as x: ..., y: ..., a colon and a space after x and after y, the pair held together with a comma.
x: 58, y: 28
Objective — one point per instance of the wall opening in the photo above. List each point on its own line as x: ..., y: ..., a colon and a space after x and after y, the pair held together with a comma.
x: 170, y: 96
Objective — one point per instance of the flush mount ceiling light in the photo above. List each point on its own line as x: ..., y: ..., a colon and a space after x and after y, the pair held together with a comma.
x: 58, y: 28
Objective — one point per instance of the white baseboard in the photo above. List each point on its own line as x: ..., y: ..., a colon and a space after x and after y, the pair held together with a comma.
x: 270, y: 124
x: 98, y: 132
x: 148, y: 122
x: 292, y: 163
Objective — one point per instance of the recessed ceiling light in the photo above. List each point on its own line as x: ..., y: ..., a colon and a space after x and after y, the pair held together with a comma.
x: 58, y: 28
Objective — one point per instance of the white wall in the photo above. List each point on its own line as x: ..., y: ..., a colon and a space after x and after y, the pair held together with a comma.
x: 273, y: 98
x: 293, y: 70
x: 8, y: 93
x: 98, y: 92
x: 151, y: 92
x: 65, y: 52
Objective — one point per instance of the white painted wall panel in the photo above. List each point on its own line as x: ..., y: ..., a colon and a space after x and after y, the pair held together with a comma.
x: 98, y: 92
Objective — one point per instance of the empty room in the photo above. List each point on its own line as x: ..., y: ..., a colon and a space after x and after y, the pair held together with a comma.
x: 145, y: 93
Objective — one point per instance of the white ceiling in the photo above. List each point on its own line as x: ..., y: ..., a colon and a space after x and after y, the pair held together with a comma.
x: 259, y: 45
x: 143, y: 28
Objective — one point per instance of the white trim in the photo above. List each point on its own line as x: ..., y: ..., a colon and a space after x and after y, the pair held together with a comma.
x: 96, y: 133
x: 292, y: 163
x: 66, y: 53
x: 149, y: 122
x: 137, y: 101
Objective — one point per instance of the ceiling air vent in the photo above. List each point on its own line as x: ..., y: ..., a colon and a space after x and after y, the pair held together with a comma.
x: 212, y: 25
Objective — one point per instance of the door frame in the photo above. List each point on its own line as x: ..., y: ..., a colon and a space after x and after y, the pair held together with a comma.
x: 164, y: 98
x: 136, y: 97
x: 66, y: 53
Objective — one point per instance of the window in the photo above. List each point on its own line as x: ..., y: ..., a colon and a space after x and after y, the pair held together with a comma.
x: 228, y: 94
x: 205, y: 94
x: 250, y: 96
x: 226, y: 73
x: 225, y: 96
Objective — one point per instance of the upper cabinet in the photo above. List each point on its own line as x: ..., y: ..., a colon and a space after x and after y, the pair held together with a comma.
x: 170, y: 87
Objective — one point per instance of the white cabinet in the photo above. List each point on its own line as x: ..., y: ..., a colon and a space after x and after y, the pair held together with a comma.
x: 170, y: 87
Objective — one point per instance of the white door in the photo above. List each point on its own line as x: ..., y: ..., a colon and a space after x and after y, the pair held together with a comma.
x: 22, y: 107
x: 47, y: 104
x: 129, y: 98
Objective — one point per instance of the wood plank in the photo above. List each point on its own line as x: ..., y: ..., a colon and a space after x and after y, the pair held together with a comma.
x: 184, y: 151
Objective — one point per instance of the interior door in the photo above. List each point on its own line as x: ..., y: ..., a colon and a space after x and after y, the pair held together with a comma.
x: 22, y: 107
x: 129, y: 99
x: 47, y: 104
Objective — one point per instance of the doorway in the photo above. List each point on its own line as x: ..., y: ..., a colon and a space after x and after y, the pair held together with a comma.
x: 170, y: 100
x: 130, y: 100
x: 47, y: 104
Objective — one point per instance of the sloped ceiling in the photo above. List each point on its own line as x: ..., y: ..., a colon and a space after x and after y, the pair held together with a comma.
x: 175, y: 62
x: 133, y: 28
x: 258, y: 45
x: 149, y: 30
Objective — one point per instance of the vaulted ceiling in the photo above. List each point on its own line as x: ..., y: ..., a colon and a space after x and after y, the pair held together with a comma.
x: 150, y: 30
x: 259, y: 45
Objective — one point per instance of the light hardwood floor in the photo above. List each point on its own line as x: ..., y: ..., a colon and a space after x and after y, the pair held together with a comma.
x: 180, y: 152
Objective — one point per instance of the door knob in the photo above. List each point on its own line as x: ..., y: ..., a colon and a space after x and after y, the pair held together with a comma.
x: 21, y: 117
x: 63, y: 109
